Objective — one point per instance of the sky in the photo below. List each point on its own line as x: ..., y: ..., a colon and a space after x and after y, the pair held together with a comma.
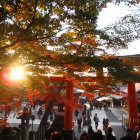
x: 114, y: 13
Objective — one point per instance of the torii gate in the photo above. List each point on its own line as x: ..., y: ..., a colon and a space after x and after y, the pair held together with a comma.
x: 68, y: 123
x: 68, y: 116
x: 132, y: 101
x: 132, y: 106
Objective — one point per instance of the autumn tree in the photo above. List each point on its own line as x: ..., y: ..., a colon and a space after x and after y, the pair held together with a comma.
x: 59, y: 37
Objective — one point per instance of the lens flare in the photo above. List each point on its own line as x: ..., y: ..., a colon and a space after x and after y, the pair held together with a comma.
x: 17, y: 73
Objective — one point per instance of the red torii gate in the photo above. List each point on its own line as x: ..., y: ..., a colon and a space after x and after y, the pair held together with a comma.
x: 68, y: 114
x: 132, y: 102
x: 69, y: 95
x: 132, y: 106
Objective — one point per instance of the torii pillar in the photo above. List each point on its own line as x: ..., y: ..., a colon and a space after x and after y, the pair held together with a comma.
x: 68, y: 114
x: 132, y: 105
x: 68, y: 123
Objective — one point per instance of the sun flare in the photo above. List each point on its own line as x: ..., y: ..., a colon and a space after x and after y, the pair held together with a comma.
x: 17, y: 73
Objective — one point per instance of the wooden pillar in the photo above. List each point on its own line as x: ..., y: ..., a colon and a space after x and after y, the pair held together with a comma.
x: 132, y: 105
x: 68, y: 123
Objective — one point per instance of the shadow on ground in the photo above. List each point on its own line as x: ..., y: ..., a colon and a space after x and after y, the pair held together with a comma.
x: 118, y: 130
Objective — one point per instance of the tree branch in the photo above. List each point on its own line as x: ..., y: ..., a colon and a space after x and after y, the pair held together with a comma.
x: 27, y: 39
x: 36, y: 1
x: 8, y: 46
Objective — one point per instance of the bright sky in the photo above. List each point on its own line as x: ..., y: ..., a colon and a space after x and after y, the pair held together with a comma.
x: 113, y: 13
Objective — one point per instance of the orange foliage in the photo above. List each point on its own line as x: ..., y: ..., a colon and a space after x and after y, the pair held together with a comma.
x: 71, y: 66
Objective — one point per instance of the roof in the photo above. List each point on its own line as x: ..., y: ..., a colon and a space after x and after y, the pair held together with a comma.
x: 116, y: 96
x: 137, y: 86
x: 103, y: 98
x: 135, y: 55
x: 76, y: 91
x: 135, y: 58
x: 123, y: 89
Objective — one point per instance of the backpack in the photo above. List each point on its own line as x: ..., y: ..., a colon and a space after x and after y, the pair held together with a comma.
x: 95, y: 119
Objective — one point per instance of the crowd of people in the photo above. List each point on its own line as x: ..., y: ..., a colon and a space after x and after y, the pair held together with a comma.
x: 86, y: 119
x: 86, y: 115
x: 97, y: 135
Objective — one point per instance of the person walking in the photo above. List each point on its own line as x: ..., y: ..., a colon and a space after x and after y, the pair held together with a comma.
x: 76, y: 115
x: 51, y: 115
x: 84, y: 113
x: 96, y: 120
x: 89, y: 122
x: 103, y: 121
x: 89, y: 113
x: 9, y: 110
x: 105, y: 125
x: 79, y: 122
x: 40, y: 112
x: 91, y: 106
x: 85, y: 122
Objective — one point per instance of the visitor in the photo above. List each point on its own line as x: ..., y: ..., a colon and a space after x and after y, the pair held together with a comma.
x: 18, y: 132
x: 57, y: 136
x: 105, y: 125
x: 85, y: 123
x: 103, y: 136
x: 88, y: 113
x: 97, y: 136
x: 100, y: 105
x: 129, y: 135
x: 84, y: 119
x: 109, y: 135
x: 96, y: 120
x: 39, y: 112
x: 79, y: 122
x: 83, y: 113
x: 9, y: 110
x: 84, y: 136
x: 90, y: 131
x: 104, y: 105
x: 136, y: 130
x: 51, y: 115
x: 89, y: 122
x: 91, y: 106
x: 76, y: 115
x: 48, y: 133
x: 103, y: 122
x: 8, y: 133
x: 85, y: 107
